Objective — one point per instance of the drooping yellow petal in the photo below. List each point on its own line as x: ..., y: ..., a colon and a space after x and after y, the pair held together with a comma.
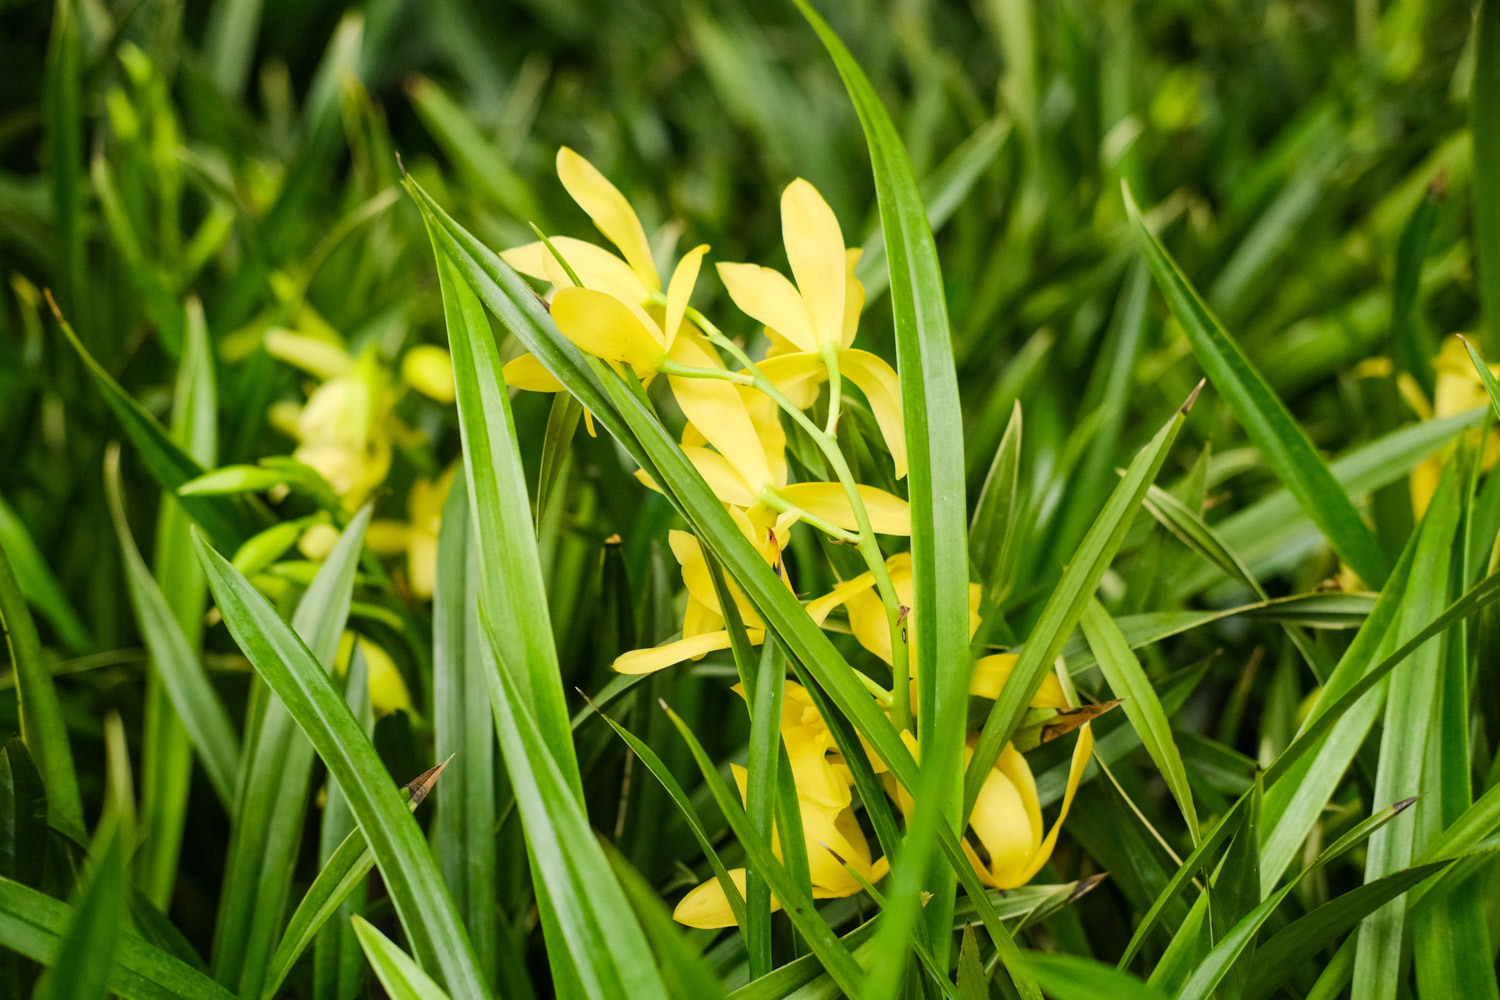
x: 648, y: 661
x: 698, y: 619
x: 889, y: 514
x: 610, y: 211
x: 815, y: 249
x: 680, y: 290
x: 867, y: 620
x: 877, y: 380
x: 1003, y: 824
x: 706, y: 907
x: 527, y: 372
x: 854, y: 297
x: 991, y: 673
x: 608, y: 328
x: 766, y: 296
x: 1081, y: 752
x: 718, y: 412
x: 722, y: 477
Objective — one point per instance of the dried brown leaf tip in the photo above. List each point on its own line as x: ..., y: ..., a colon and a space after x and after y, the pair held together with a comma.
x: 1193, y: 396
x: 1069, y: 719
x: 421, y: 786
x: 1086, y: 885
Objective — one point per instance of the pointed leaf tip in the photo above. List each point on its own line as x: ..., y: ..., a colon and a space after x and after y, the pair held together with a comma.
x: 1399, y: 807
x: 1193, y: 396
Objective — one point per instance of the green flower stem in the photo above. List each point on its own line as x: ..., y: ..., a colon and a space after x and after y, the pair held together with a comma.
x: 670, y: 367
x: 830, y: 354
x: 868, y: 547
x: 776, y: 501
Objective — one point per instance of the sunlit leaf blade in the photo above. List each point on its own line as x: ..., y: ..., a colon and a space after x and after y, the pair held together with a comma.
x: 1281, y: 440
x: 684, y: 972
x: 511, y: 588
x: 935, y: 456
x: 298, y: 679
x: 1070, y: 977
x: 269, y: 815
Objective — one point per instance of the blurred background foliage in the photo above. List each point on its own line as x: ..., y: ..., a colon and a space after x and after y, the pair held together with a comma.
x: 244, y: 154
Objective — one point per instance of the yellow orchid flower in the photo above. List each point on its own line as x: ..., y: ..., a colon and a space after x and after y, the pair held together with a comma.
x: 812, y: 324
x: 428, y: 369
x: 417, y: 536
x: 388, y: 692
x: 825, y: 803
x: 1458, y: 389
x: 867, y: 620
x: 703, y: 629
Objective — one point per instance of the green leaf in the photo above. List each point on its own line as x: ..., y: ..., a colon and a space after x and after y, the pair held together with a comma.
x: 173, y: 658
x: 1491, y: 384
x: 79, y: 968
x: 1412, y: 709
x: 995, y: 532
x: 511, y: 588
x: 1066, y: 605
x: 38, y: 582
x: 1303, y: 939
x: 762, y: 762
x: 1282, y: 441
x: 796, y: 899
x: 1484, y: 127
x: 1069, y: 977
x: 33, y: 924
x: 1126, y: 678
x: 973, y: 984
x: 272, y: 798
x: 42, y: 727
x: 299, y: 680
x: 23, y: 844
x: 463, y: 833
x: 226, y: 520
x: 686, y: 973
x: 935, y: 485
x: 402, y: 978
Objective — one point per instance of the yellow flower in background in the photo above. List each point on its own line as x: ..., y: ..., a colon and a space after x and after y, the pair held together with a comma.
x: 417, y: 537
x: 346, y: 430
x: 813, y: 323
x: 1458, y: 389
x: 387, y: 688
x: 703, y: 620
x: 826, y: 805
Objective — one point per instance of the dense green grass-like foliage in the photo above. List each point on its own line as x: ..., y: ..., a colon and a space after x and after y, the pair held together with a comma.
x: 1153, y: 503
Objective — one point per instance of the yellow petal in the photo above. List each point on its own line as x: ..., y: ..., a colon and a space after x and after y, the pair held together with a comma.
x: 530, y: 259
x: 854, y: 297
x: 317, y: 541
x: 1081, y: 752
x: 1003, y: 825
x: 718, y: 412
x: 819, y: 608
x: 385, y: 537
x: 707, y: 907
x: 387, y: 689
x: 647, y: 661
x: 991, y: 673
x: 698, y: 619
x: 869, y: 624
x: 722, y: 477
x: 815, y: 249
x: 877, y: 380
x: 889, y: 515
x: 797, y: 375
x: 421, y: 564
x: 607, y: 328
x: 766, y: 296
x: 610, y: 211
x: 428, y: 369
x: 527, y: 372
x: 680, y: 290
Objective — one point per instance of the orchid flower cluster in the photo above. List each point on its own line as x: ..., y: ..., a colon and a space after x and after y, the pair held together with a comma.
x: 613, y: 306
